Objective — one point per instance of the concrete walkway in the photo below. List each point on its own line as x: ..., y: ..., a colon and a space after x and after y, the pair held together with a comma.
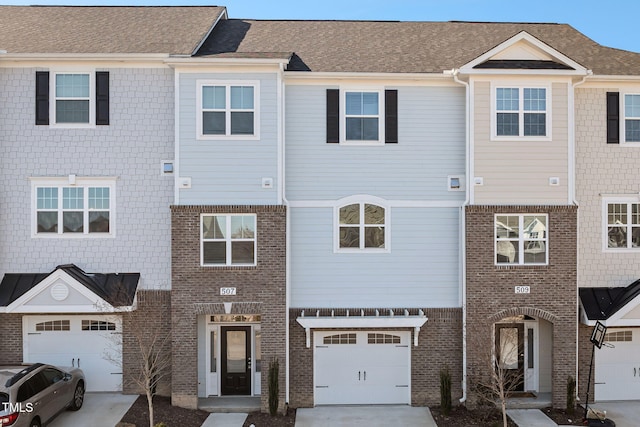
x: 371, y: 416
x: 225, y: 420
x: 530, y: 418
x: 98, y: 410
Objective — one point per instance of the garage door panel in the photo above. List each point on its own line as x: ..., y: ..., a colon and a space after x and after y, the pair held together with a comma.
x: 617, y: 368
x: 370, y: 368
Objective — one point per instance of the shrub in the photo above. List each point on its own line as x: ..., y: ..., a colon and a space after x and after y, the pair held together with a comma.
x: 445, y: 391
x: 274, y: 387
x: 571, y: 395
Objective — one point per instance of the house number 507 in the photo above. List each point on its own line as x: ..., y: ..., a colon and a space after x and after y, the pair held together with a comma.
x: 227, y: 291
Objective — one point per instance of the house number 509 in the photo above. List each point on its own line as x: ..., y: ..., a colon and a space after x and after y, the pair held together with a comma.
x: 523, y: 290
x: 227, y: 291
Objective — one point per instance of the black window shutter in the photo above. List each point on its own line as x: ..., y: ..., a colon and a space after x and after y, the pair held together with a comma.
x: 42, y: 97
x: 391, y: 116
x: 102, y: 98
x: 613, y: 117
x: 333, y: 116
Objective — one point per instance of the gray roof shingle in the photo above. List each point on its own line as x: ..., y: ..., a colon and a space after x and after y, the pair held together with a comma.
x: 105, y: 29
x: 403, y: 47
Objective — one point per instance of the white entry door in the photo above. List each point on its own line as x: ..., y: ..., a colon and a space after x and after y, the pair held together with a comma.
x: 617, y: 370
x: 93, y: 343
x: 362, y: 367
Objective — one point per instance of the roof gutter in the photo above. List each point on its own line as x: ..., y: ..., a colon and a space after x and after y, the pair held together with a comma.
x: 204, y: 61
x: 102, y: 57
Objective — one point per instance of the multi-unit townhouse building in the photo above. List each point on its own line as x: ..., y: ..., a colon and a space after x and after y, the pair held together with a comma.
x: 366, y: 202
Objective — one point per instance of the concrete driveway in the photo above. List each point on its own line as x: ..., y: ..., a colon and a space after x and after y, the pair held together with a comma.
x: 98, y: 410
x: 371, y: 416
x: 625, y: 414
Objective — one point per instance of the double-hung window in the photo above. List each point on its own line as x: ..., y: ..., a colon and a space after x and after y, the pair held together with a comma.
x: 632, y: 118
x: 228, y: 110
x: 521, y: 239
x: 622, y: 227
x: 362, y: 227
x: 362, y: 116
x: 72, y: 98
x: 73, y: 210
x: 228, y: 240
x: 521, y: 112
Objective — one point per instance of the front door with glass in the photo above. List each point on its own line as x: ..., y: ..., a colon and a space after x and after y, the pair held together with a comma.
x: 235, y: 360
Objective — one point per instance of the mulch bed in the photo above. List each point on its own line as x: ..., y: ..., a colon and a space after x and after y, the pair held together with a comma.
x: 561, y: 417
x: 484, y: 416
x: 261, y: 419
x: 172, y: 416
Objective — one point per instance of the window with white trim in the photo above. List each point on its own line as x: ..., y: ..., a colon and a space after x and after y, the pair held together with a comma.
x: 622, y: 224
x: 362, y: 226
x: 228, y: 240
x: 521, y: 239
x: 227, y: 110
x: 73, y: 98
x: 62, y: 209
x: 632, y: 118
x: 362, y: 117
x: 521, y: 112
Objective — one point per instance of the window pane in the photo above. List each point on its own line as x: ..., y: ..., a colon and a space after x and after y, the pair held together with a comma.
x: 632, y: 105
x: 242, y: 252
x: 617, y: 237
x: 99, y: 198
x: 258, y: 351
x: 214, y: 227
x: 72, y: 222
x: 535, y: 99
x: 47, y: 198
x: 47, y: 222
x: 214, y: 97
x: 241, y: 123
x: 632, y: 130
x: 72, y: 85
x: 507, y: 99
x: 213, y: 123
x: 214, y: 252
x: 535, y: 124
x: 507, y: 124
x: 72, y: 198
x: 374, y: 237
x: 362, y: 103
x: 362, y: 129
x: 535, y: 227
x: 507, y: 227
x: 98, y: 222
x: 354, y: 103
x: 507, y: 252
x: 535, y: 252
x: 242, y: 97
x: 370, y: 103
x: 373, y: 214
x: 72, y: 111
x: 617, y: 214
x: 350, y: 214
x: 349, y: 237
x: 242, y: 227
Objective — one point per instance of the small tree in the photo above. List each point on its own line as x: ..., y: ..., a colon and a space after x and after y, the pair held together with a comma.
x: 274, y: 387
x: 571, y: 395
x: 495, y: 381
x: 445, y: 391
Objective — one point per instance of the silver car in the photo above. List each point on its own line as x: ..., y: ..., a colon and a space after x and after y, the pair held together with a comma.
x: 30, y: 396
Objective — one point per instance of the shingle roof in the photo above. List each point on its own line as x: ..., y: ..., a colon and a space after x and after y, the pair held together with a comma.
x: 105, y: 29
x: 602, y: 303
x: 118, y: 289
x: 403, y: 47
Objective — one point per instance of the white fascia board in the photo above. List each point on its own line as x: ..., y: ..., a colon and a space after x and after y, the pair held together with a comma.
x: 84, y: 57
x: 311, y: 75
x: 389, y: 203
x: 207, y: 62
x: 519, y: 72
x: 524, y: 36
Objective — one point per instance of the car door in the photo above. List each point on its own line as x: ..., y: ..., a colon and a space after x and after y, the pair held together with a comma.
x: 58, y: 392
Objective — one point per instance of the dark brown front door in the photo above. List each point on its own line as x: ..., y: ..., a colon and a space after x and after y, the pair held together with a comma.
x: 510, y: 354
x: 236, y: 360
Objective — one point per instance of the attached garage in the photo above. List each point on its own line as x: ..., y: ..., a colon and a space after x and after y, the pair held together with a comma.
x: 617, y: 366
x: 362, y: 367
x: 90, y: 342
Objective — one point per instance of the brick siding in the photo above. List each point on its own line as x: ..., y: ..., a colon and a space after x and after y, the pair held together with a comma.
x: 11, y: 338
x: 491, y: 295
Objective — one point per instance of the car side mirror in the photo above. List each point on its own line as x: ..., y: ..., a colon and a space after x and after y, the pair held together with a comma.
x: 67, y: 377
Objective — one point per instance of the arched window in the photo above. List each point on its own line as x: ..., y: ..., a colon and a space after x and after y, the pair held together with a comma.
x: 362, y: 226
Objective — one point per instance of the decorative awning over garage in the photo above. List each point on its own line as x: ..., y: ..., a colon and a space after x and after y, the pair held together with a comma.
x: 359, y: 319
x: 619, y: 306
x: 68, y: 289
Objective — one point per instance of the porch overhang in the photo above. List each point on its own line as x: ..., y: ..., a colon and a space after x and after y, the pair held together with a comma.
x: 360, y: 321
x: 613, y: 307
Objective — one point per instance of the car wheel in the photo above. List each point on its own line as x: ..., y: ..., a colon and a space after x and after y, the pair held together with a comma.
x: 35, y: 422
x: 78, y: 397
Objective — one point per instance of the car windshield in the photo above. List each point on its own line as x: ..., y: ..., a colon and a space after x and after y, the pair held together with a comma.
x: 4, y: 398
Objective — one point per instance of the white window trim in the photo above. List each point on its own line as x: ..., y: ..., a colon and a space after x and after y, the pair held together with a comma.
x: 521, y: 239
x: 380, y: 116
x: 109, y: 182
x: 521, y: 111
x: 623, y: 120
x: 92, y: 99
x: 228, y: 241
x: 605, y: 226
x: 372, y: 200
x: 228, y: 83
x: 451, y: 178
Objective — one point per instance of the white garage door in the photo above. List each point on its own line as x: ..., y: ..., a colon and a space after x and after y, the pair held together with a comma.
x: 363, y: 367
x: 90, y: 342
x: 617, y: 370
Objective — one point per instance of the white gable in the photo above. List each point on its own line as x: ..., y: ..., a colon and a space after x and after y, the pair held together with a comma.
x: 633, y: 314
x: 522, y: 50
x: 59, y: 293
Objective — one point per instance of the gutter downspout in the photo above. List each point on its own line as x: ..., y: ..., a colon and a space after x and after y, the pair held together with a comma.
x: 572, y: 197
x: 463, y: 241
